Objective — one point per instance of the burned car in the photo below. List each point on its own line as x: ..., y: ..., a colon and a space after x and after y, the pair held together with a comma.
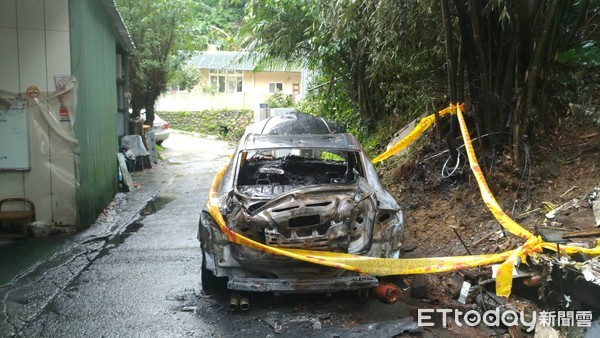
x: 298, y: 181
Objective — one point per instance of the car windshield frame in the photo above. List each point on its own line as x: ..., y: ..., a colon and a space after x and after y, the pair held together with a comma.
x: 335, y: 156
x: 316, y: 141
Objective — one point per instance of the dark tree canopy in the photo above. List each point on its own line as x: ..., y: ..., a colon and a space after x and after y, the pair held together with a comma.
x: 357, y: 47
x: 505, y: 51
x: 161, y: 30
x: 381, y: 58
x: 220, y: 21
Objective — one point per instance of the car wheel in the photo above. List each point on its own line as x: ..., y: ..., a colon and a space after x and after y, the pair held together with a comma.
x: 210, y: 282
x: 159, y: 142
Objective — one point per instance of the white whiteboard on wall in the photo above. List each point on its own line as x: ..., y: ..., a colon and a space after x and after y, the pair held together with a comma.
x: 14, y: 136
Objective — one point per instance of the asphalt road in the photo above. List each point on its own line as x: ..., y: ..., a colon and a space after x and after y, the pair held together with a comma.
x: 142, y: 278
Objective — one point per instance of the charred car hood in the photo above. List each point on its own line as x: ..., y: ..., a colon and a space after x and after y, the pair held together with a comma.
x: 326, y: 217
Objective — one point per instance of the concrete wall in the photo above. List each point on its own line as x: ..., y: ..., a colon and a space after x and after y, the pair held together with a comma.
x: 69, y: 182
x: 34, y: 37
x: 255, y: 90
x: 260, y: 81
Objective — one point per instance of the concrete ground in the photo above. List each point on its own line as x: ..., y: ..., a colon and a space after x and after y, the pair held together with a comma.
x: 128, y: 271
x: 136, y: 273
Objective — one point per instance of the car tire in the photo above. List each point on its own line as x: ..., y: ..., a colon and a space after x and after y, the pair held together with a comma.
x: 159, y: 142
x: 210, y: 282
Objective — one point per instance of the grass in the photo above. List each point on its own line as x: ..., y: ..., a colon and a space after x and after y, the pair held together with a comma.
x: 228, y: 125
x: 159, y: 150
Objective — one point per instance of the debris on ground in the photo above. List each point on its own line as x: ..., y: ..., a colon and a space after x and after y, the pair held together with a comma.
x: 280, y: 323
x: 557, y: 198
x: 386, y: 292
x: 392, y: 328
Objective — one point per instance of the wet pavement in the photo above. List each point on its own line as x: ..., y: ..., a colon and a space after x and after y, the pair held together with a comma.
x: 125, y: 275
x: 17, y: 256
x: 136, y: 273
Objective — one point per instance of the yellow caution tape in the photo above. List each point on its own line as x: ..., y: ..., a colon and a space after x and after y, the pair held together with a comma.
x: 389, y: 266
x: 484, y: 189
x: 532, y: 245
x: 357, y: 263
x: 419, y: 129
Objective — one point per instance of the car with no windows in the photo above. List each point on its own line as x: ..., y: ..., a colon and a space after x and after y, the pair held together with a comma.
x: 298, y: 181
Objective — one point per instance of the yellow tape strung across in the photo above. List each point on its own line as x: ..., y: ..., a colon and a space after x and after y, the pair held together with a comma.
x: 532, y: 244
x: 484, y: 189
x: 357, y: 263
x: 389, y: 266
x: 419, y: 129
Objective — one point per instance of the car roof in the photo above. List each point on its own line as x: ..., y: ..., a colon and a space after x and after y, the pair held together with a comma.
x: 342, y: 141
x: 295, y: 129
x: 294, y: 122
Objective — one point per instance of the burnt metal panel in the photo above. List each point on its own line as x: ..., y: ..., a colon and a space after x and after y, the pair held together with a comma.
x: 302, y: 284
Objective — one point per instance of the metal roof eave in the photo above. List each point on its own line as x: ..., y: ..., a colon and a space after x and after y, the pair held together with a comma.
x: 231, y: 60
x: 115, y: 16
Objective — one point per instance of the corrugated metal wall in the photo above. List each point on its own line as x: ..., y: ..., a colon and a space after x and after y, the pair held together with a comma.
x: 93, y: 60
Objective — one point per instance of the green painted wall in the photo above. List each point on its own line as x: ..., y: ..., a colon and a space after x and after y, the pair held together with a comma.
x: 93, y: 63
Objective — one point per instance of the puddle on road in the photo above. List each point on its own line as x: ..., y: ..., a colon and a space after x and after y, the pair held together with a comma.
x: 16, y: 256
x: 119, y: 239
x: 154, y: 205
x: 157, y: 203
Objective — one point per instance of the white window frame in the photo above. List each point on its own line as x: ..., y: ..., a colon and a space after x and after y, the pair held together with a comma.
x: 275, y: 86
x: 226, y: 80
x: 176, y: 88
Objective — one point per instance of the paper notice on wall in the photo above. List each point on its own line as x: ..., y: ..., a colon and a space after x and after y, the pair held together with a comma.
x: 61, y: 82
x: 14, y: 136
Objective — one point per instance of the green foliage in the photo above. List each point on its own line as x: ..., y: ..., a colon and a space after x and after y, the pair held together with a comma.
x: 332, y: 102
x: 228, y: 125
x: 507, y: 51
x: 209, y: 89
x: 278, y: 100
x: 326, y: 155
x: 577, y: 79
x: 382, y: 60
x: 221, y: 21
x: 161, y: 30
x: 584, y: 54
x: 159, y: 152
x: 187, y: 77
x: 374, y: 59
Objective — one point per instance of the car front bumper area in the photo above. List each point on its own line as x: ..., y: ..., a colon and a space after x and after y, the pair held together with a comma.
x: 316, y: 285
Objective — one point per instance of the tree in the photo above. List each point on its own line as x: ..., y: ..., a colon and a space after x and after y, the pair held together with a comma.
x: 380, y: 54
x: 187, y: 77
x: 279, y: 100
x: 387, y: 57
x: 162, y: 30
x: 507, y: 49
x: 222, y: 20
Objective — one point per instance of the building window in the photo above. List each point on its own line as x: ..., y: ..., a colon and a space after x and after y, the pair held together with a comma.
x: 226, y: 81
x: 177, y: 88
x: 275, y: 86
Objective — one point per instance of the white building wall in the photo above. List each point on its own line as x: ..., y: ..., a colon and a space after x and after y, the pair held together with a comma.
x: 34, y: 37
x: 255, y: 90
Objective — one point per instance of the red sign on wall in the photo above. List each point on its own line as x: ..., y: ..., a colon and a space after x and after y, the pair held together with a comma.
x: 63, y: 112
